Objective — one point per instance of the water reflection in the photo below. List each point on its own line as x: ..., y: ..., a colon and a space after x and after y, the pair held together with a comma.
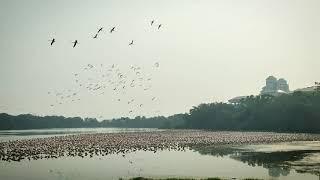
x: 278, y: 163
x: 162, y: 164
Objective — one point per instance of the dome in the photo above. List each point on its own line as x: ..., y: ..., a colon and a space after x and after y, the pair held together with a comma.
x: 282, y: 81
x: 271, y: 78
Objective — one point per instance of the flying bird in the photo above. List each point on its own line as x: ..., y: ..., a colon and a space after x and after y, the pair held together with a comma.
x: 131, y: 43
x: 112, y: 29
x: 159, y: 26
x: 95, y: 36
x: 52, y: 41
x: 100, y: 30
x: 152, y: 22
x: 75, y: 43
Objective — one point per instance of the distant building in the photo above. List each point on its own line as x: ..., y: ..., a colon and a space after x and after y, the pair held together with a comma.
x: 307, y: 89
x: 283, y: 85
x: 275, y: 87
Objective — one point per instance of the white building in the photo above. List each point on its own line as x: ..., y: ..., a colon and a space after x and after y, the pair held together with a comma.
x: 275, y: 87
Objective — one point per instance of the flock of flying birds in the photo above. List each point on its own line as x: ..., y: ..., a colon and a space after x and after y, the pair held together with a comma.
x: 100, y: 79
x: 53, y: 40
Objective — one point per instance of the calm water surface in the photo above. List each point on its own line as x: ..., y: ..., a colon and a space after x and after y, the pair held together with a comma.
x: 294, y: 161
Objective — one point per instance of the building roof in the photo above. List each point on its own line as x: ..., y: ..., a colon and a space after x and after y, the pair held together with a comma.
x: 271, y: 78
x: 282, y: 80
x: 311, y: 88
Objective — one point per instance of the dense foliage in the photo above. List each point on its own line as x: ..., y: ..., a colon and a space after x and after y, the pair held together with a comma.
x: 27, y: 121
x: 296, y: 112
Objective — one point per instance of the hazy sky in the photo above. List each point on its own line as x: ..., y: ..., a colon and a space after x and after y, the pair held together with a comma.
x: 208, y: 50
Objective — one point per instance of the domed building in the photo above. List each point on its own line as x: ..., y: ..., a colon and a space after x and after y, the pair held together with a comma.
x: 271, y: 85
x: 283, y: 85
x: 275, y: 87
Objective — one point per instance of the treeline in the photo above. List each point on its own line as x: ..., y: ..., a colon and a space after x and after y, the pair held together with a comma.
x: 27, y: 121
x: 296, y: 112
x: 174, y: 121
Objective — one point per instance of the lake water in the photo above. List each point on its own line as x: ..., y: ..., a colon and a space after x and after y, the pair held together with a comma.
x: 294, y: 161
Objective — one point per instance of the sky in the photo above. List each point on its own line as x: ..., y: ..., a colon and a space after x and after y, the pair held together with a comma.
x: 207, y: 50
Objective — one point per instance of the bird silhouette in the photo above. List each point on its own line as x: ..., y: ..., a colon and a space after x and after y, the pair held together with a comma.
x: 131, y: 43
x: 52, y: 41
x: 113, y: 29
x: 100, y: 30
x: 75, y: 43
x: 159, y: 26
x: 95, y: 36
x: 152, y: 22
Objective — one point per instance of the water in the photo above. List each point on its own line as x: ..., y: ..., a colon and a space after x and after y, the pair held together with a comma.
x: 294, y: 161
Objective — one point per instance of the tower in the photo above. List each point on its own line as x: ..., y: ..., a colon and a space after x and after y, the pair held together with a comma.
x: 283, y: 85
x: 271, y: 86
